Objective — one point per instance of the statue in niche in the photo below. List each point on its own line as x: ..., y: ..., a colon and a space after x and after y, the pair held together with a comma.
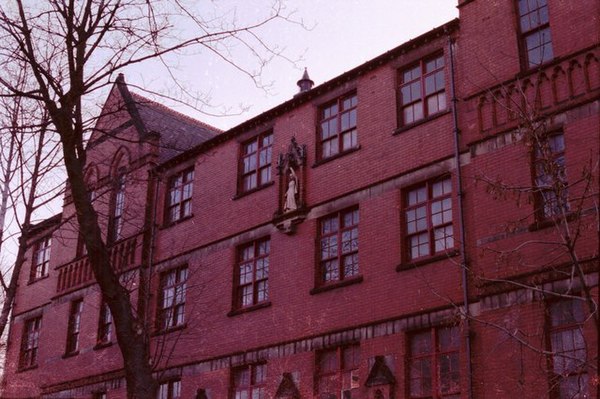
x: 292, y: 191
x: 291, y: 207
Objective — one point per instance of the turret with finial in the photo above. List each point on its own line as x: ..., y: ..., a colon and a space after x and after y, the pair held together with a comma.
x: 305, y: 83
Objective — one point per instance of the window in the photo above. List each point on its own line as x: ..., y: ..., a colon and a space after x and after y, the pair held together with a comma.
x: 30, y: 342
x: 115, y: 224
x: 99, y: 395
x: 248, y: 382
x: 337, y: 121
x: 173, y: 285
x: 81, y: 249
x: 338, y: 235
x: 179, y: 198
x: 41, y: 259
x: 568, y: 350
x: 433, y: 364
x: 422, y: 90
x: 104, y: 324
x: 74, y: 327
x: 535, y: 32
x: 550, y: 176
x: 256, y: 162
x: 253, y: 273
x: 429, y: 218
x: 169, y: 390
x: 337, y: 371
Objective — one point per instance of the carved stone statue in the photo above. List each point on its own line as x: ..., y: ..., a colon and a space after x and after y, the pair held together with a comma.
x: 292, y: 192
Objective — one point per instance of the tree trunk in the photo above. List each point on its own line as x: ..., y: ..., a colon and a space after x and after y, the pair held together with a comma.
x: 131, y: 334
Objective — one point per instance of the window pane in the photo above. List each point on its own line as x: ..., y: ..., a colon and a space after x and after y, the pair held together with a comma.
x: 419, y: 245
x: 574, y: 387
x: 415, y: 90
x: 444, y: 238
x: 351, y: 265
x: 349, y: 140
x: 420, y: 378
x: 330, y: 270
x: 449, y: 373
x: 405, y: 93
x: 430, y: 84
x: 265, y: 175
x: 249, y: 181
x: 251, y: 148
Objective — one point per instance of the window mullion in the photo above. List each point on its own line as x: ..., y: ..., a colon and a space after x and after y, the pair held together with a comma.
x: 430, y: 227
x: 254, y: 282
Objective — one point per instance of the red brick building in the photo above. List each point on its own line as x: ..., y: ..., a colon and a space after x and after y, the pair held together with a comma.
x: 422, y: 226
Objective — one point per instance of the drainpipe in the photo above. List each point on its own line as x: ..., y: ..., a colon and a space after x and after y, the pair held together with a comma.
x: 461, y: 222
x: 153, y: 179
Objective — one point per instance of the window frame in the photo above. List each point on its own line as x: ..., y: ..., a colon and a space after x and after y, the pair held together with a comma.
x: 173, y: 389
x: 340, y: 370
x: 431, y: 228
x: 547, y: 203
x: 257, y: 256
x: 30, y: 341
x: 326, y: 117
x: 183, y: 204
x: 323, y: 239
x: 105, y: 325
x: 253, y: 385
x: 176, y: 311
x: 74, y: 327
x: 526, y: 31
x: 117, y: 209
x: 568, y: 328
x: 433, y: 355
x: 246, y: 169
x: 438, y: 92
x: 40, y: 268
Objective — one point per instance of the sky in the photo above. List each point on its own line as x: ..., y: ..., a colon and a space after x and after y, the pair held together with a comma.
x: 336, y: 36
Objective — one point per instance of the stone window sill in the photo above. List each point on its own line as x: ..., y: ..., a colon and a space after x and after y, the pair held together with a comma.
x: 245, y: 193
x: 247, y: 309
x: 102, y: 345
x: 409, y: 126
x: 336, y: 156
x: 425, y: 261
x: 169, y: 330
x: 335, y: 285
x: 168, y: 224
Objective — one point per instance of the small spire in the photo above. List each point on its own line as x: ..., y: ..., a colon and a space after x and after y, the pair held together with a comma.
x: 305, y: 84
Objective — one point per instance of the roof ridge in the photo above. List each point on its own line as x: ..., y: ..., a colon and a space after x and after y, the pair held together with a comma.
x: 176, y: 113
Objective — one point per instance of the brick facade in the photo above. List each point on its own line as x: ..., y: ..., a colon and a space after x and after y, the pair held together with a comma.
x: 393, y: 286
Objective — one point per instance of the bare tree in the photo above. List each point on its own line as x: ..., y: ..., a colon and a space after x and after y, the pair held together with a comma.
x: 71, y: 50
x: 30, y: 154
x: 548, y: 249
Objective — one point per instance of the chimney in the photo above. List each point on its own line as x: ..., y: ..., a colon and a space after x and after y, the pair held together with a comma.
x: 305, y: 84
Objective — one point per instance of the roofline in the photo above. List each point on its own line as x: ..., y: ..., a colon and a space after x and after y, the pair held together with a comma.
x: 149, y: 102
x: 304, y: 97
x: 34, y: 229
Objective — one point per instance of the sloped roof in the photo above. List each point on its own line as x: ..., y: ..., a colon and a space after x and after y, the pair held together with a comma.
x: 178, y: 132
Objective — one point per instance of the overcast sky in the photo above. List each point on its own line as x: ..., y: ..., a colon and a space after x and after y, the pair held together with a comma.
x: 339, y: 35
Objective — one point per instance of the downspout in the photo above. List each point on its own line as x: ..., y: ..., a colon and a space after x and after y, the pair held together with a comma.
x: 153, y: 175
x: 461, y: 222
